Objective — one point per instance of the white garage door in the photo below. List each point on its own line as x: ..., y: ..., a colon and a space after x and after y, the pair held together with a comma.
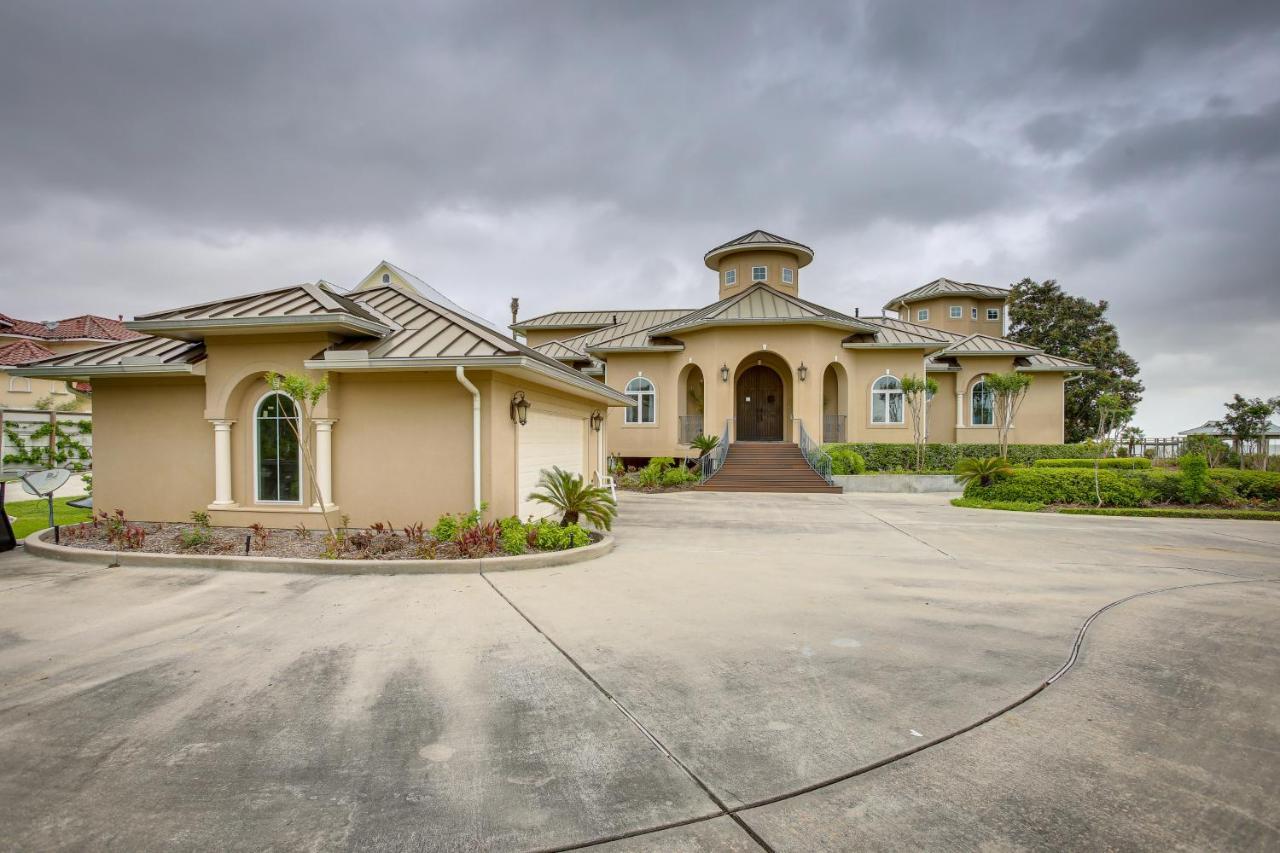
x: 547, y: 440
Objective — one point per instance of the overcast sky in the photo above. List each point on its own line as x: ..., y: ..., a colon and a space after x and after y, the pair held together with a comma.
x: 585, y: 155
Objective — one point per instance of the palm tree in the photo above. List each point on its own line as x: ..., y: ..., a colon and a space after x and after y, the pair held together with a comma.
x: 982, y: 470
x: 704, y: 444
x: 573, y: 497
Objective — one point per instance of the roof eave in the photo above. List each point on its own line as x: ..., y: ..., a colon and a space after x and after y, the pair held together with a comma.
x: 196, y: 329
x: 571, y: 377
x: 663, y: 348
x: 928, y: 348
x: 90, y: 371
x: 1086, y: 368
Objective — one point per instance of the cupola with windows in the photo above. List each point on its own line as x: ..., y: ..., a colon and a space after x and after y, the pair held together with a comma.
x: 758, y: 257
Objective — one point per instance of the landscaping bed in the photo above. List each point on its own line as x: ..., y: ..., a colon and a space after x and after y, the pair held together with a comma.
x: 1133, y: 512
x: 662, y: 474
x: 462, y: 537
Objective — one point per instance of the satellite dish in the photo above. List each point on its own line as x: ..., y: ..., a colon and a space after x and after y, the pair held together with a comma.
x: 44, y: 483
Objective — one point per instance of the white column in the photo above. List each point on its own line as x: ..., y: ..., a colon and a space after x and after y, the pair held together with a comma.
x: 324, y: 462
x: 222, y: 463
x: 960, y: 409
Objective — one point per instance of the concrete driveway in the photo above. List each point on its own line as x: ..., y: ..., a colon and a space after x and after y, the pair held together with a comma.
x: 787, y: 672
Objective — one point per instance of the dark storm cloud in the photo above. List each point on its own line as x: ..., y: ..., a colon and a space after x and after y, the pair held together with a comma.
x: 586, y: 153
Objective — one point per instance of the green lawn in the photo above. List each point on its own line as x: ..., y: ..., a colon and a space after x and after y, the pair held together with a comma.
x: 34, y: 515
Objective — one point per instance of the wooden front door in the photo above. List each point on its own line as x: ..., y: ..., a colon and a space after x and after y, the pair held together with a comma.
x: 759, y: 409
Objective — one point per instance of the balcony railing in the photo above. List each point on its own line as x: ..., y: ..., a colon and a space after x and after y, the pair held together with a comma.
x: 833, y: 429
x: 690, y: 428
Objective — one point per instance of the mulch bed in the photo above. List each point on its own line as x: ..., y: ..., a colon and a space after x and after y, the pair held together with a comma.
x: 166, y: 538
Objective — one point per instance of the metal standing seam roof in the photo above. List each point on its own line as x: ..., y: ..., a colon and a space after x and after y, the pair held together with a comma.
x: 947, y: 287
x: 597, y: 319
x: 900, y: 334
x: 979, y: 344
x: 759, y: 239
x: 1212, y: 428
x: 145, y: 349
x: 1045, y: 362
x: 431, y: 293
x: 558, y: 350
x: 760, y: 304
x: 299, y: 300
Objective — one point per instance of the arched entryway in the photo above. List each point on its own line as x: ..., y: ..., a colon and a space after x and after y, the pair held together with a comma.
x: 760, y: 405
x: 691, y: 394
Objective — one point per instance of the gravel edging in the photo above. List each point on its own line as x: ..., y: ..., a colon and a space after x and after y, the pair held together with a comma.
x: 36, y: 545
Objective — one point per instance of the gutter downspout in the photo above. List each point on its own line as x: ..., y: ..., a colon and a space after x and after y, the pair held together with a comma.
x: 461, y: 374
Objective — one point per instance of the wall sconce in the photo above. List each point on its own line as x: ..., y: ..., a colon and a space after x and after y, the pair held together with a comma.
x: 597, y: 420
x: 724, y: 373
x: 803, y: 371
x: 520, y: 408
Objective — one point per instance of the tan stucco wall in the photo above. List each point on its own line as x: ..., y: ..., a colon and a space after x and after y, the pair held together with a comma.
x: 773, y: 259
x: 152, y: 449
x: 940, y: 315
x: 1039, y: 420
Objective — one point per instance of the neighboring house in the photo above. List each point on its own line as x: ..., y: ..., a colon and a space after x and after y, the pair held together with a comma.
x: 1253, y: 446
x: 426, y: 411
x: 24, y: 342
x: 762, y: 363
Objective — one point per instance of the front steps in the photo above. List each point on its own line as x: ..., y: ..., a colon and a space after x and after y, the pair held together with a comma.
x: 766, y: 466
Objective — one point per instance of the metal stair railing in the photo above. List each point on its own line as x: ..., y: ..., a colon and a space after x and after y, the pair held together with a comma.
x: 712, y: 462
x: 813, y: 453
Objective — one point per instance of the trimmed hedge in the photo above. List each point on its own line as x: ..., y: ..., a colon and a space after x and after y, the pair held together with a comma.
x: 1059, y: 486
x: 1131, y: 463
x: 943, y: 457
x: 1177, y: 512
x: 1049, y: 485
x: 845, y: 461
x: 1008, y: 506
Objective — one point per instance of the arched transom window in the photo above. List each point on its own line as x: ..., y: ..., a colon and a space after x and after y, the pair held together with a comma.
x: 982, y: 405
x: 645, y: 410
x: 886, y: 401
x: 277, y: 459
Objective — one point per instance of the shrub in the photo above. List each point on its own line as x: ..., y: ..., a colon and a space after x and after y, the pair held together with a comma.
x: 1059, y: 486
x: 553, y: 537
x: 514, y: 537
x: 1131, y: 464
x: 1248, y: 485
x: 480, y: 540
x: 1195, y: 477
x: 446, y: 528
x: 574, y: 498
x: 846, y: 461
x: 943, y: 457
x: 200, y: 519
x: 195, y: 539
x: 678, y: 476
x: 1009, y: 506
x: 982, y: 471
x: 1176, y: 512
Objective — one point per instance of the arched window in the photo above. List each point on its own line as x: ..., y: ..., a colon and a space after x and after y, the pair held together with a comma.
x: 277, y: 458
x: 886, y: 401
x: 982, y: 405
x: 386, y: 278
x: 645, y: 411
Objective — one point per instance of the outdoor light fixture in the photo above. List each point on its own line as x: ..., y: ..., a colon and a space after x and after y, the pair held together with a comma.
x: 597, y: 420
x: 803, y: 371
x: 724, y: 373
x: 520, y: 408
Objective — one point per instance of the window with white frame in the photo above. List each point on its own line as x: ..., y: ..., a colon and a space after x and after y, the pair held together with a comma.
x: 982, y: 405
x: 759, y: 273
x: 788, y: 275
x: 645, y: 410
x: 993, y: 313
x: 922, y: 315
x: 20, y: 384
x: 956, y: 312
x: 730, y: 276
x: 886, y: 401
x: 277, y: 457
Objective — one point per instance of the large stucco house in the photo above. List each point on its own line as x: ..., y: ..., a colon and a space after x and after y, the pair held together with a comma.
x: 429, y: 410
x: 764, y: 364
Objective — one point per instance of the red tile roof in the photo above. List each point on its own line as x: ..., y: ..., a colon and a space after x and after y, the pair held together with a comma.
x: 23, y: 352
x: 85, y: 327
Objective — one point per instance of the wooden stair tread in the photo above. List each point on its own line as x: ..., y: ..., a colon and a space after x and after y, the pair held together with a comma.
x: 766, y: 467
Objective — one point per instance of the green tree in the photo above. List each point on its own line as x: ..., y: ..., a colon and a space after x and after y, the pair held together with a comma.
x: 305, y: 393
x: 1113, y: 414
x: 1247, y: 420
x: 1042, y: 315
x: 1009, y: 390
x: 917, y: 392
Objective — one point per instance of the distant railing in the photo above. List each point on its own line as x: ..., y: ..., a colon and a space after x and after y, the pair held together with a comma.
x: 833, y: 429
x: 711, y: 463
x: 817, y: 458
x: 690, y: 427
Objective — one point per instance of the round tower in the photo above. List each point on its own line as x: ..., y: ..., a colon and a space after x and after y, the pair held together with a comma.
x: 759, y: 257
